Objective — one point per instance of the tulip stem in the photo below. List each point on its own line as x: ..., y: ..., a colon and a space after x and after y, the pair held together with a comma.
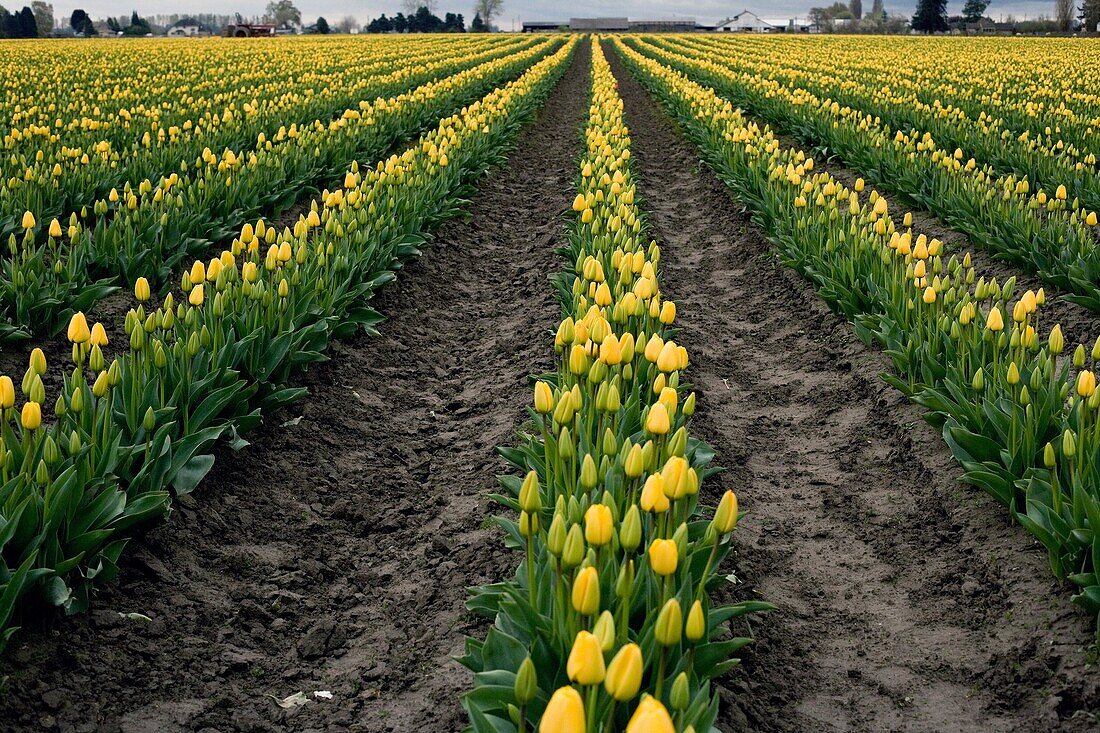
x: 590, y: 709
x: 661, y: 673
x: 609, y: 725
x: 531, y: 566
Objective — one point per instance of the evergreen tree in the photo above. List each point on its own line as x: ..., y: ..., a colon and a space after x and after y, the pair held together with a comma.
x: 974, y: 10
x: 322, y: 26
x: 931, y: 16
x: 477, y: 25
x: 878, y: 10
x: 400, y: 23
x: 856, y: 7
x: 1090, y: 15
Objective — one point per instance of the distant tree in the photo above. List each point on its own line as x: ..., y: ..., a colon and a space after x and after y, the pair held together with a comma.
x: 488, y: 9
x: 856, y: 8
x: 348, y: 24
x: 878, y: 10
x: 974, y: 10
x: 1090, y: 15
x: 477, y: 25
x: 43, y: 17
x: 80, y: 22
x: 322, y: 26
x: 425, y: 21
x: 283, y: 12
x: 411, y: 6
x: 138, y: 26
x: 400, y: 23
x: 113, y: 25
x: 931, y: 16
x: 24, y: 25
x: 1063, y: 14
x: 453, y: 23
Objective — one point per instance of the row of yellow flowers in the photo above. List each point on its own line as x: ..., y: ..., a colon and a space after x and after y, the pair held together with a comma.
x: 57, y: 267
x: 608, y: 624
x: 74, y: 135
x: 1046, y: 230
x: 205, y: 363
x: 1053, y: 143
x: 1018, y: 407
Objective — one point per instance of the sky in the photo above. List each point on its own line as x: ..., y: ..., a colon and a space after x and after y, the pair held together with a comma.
x: 516, y: 11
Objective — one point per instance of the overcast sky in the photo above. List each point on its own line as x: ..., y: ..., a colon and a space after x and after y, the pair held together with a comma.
x: 704, y: 10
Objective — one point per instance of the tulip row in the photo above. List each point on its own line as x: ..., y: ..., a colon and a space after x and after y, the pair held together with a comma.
x: 1044, y: 231
x: 1046, y: 158
x: 149, y: 231
x: 607, y: 624
x: 1023, y: 420
x: 56, y: 176
x: 206, y: 367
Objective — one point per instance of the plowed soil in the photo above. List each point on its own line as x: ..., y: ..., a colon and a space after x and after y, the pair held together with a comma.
x: 334, y: 553
x: 906, y: 600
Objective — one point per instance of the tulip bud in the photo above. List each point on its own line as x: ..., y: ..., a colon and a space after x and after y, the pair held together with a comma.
x: 604, y: 630
x: 586, y: 592
x: 585, y: 665
x: 1048, y: 456
x: 573, y: 552
x: 1069, y: 444
x: 142, y: 290
x: 1056, y: 341
x: 31, y: 416
x: 526, y: 685
x: 1079, y: 356
x: 696, y: 626
x: 680, y: 695
x: 670, y: 624
x: 589, y: 475
x: 653, y: 497
x: 544, y: 398
x: 624, y: 674
x: 630, y: 531
x: 529, y: 493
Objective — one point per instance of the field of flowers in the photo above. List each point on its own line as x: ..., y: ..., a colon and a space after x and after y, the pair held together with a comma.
x: 192, y: 227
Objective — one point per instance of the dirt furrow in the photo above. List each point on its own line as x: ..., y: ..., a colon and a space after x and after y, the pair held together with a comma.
x: 906, y: 600
x: 334, y: 553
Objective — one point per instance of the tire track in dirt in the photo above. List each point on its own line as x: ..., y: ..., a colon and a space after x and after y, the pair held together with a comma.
x: 335, y: 552
x: 907, y: 601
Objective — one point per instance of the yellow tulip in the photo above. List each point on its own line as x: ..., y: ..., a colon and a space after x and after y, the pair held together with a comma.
x: 1086, y: 383
x: 142, y: 290
x: 653, y: 497
x: 98, y: 335
x: 78, y: 332
x: 598, y: 525
x: 586, y: 592
x: 624, y: 674
x: 55, y: 229
x: 995, y: 321
x: 544, y: 398
x: 670, y: 623
x: 31, y: 416
x: 585, y: 665
x: 650, y: 717
x: 564, y: 713
x: 663, y: 556
x: 196, y: 296
x: 7, y: 392
x: 657, y: 421
x: 28, y: 220
x: 725, y: 516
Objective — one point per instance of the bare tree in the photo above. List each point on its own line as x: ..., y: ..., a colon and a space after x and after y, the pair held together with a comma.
x: 411, y: 6
x: 488, y: 9
x: 347, y: 24
x: 43, y: 17
x: 1063, y: 13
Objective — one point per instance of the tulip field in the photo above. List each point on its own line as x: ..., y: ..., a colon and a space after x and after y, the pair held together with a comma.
x: 781, y: 354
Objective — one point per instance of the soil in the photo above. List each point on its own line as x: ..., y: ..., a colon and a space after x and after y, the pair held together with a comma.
x: 333, y: 554
x: 907, y: 601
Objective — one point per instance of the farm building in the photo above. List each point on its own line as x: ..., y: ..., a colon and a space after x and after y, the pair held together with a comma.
x: 599, y: 25
x: 747, y: 22
x: 188, y: 27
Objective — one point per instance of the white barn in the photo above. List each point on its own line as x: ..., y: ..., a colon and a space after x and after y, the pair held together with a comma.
x: 747, y: 22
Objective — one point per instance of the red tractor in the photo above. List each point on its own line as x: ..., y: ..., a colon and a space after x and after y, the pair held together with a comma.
x: 240, y: 29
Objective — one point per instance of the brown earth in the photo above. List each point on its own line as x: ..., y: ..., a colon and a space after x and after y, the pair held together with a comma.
x: 334, y: 553
x: 906, y: 601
